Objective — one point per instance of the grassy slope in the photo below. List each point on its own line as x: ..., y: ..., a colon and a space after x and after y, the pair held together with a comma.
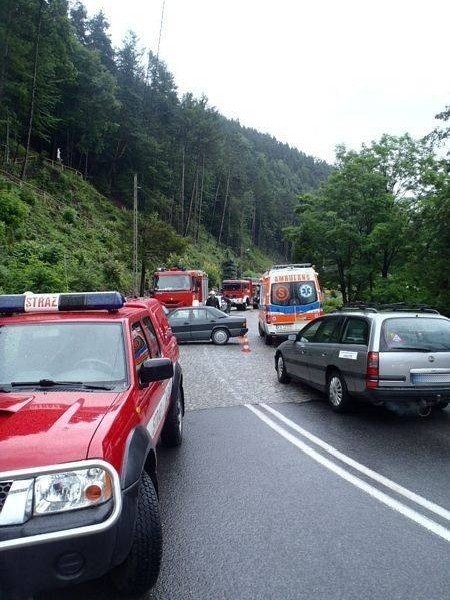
x: 79, y: 240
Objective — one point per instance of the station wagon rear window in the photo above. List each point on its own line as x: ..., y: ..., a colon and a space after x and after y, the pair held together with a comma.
x: 82, y: 353
x: 415, y: 334
x: 293, y: 293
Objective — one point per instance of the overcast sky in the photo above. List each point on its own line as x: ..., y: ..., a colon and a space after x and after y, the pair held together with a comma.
x: 313, y: 74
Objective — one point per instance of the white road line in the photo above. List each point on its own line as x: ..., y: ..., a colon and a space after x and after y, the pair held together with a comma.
x: 411, y: 514
x: 395, y: 487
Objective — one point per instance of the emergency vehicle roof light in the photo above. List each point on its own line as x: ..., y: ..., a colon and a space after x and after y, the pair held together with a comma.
x: 22, y: 303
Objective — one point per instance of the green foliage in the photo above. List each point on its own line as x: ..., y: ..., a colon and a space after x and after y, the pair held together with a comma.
x: 377, y: 228
x: 69, y: 215
x: 113, y: 113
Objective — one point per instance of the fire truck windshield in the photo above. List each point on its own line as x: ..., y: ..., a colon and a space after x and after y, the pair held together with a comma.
x: 170, y: 283
x: 233, y: 287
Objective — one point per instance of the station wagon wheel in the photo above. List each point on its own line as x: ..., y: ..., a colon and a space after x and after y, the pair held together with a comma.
x: 220, y: 336
x: 337, y: 393
x: 140, y: 570
x: 282, y: 373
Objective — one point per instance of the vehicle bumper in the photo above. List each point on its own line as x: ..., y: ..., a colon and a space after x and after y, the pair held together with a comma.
x: 63, y: 561
x: 429, y: 395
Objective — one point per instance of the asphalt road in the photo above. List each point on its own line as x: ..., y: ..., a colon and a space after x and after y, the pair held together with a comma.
x: 285, y: 499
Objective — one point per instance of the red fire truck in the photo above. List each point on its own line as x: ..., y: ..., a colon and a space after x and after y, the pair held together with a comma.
x: 241, y: 292
x: 178, y: 287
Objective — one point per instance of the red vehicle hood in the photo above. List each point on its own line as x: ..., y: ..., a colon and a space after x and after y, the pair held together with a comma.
x: 44, y: 428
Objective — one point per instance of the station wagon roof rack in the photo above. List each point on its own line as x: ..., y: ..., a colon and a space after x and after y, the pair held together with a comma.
x: 402, y: 306
x: 358, y: 306
x: 394, y: 307
x: 292, y: 266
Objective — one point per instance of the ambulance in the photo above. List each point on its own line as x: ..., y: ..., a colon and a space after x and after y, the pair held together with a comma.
x: 290, y: 297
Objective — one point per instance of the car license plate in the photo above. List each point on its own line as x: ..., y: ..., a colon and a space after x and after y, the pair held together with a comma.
x: 424, y: 378
x: 284, y: 327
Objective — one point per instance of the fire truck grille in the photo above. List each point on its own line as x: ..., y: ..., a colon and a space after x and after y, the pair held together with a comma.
x: 5, y: 486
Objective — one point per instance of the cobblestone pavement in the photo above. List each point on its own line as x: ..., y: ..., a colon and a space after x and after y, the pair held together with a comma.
x: 227, y: 376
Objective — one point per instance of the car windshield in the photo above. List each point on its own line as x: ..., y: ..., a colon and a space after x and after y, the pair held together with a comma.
x: 173, y: 282
x: 62, y: 353
x: 233, y: 287
x: 294, y: 293
x: 416, y: 334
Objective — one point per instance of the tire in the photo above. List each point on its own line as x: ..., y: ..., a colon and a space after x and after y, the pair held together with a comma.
x: 220, y: 336
x: 268, y: 339
x: 441, y: 405
x: 139, y: 572
x: 282, y: 373
x: 261, y: 330
x: 337, y: 394
x: 244, y: 306
x: 172, y: 433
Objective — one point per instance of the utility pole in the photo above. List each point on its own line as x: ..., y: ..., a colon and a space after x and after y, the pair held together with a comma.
x: 135, y: 237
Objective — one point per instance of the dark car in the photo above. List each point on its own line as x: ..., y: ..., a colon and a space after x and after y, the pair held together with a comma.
x: 205, y: 323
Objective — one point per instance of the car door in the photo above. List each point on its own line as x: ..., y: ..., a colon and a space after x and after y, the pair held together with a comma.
x: 201, y: 325
x: 297, y: 355
x: 180, y: 322
x: 150, y: 397
x: 352, y: 352
x: 322, y: 349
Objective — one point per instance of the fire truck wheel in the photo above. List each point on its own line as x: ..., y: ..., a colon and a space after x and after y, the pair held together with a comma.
x: 172, y: 433
x: 220, y: 336
x: 140, y: 570
x: 243, y: 306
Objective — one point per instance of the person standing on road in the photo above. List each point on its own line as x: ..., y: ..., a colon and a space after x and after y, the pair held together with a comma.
x: 212, y: 300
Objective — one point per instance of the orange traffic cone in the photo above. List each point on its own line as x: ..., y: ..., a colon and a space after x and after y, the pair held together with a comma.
x: 245, y: 346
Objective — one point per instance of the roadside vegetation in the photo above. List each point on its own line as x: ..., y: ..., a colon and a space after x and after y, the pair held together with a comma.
x: 212, y: 194
x: 110, y: 113
x: 377, y: 229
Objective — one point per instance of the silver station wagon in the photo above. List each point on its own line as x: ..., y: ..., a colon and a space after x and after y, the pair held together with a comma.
x: 393, y: 356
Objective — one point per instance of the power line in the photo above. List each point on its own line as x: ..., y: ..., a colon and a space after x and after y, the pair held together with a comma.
x: 160, y: 29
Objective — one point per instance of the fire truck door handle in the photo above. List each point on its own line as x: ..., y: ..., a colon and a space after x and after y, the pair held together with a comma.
x: 324, y: 354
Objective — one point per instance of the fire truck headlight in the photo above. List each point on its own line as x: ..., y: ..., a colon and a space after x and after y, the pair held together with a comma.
x: 71, y: 490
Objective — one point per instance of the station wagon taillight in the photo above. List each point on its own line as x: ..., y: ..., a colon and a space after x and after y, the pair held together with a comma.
x: 373, y: 370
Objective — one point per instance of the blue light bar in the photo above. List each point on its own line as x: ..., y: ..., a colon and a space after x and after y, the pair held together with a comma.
x: 44, y: 303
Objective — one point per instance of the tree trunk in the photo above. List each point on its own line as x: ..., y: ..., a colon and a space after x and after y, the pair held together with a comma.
x: 225, y: 205
x: 33, y: 89
x: 6, y: 50
x: 342, y: 283
x: 143, y: 272
x: 216, y: 195
x: 199, y: 221
x: 182, y: 193
x: 194, y: 191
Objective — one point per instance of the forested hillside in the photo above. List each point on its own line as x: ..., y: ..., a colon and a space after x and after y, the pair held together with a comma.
x: 113, y: 112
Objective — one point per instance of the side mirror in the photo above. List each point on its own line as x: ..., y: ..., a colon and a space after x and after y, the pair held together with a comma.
x: 155, y: 369
x: 292, y: 337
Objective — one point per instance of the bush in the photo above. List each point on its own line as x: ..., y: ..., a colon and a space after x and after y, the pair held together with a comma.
x: 28, y: 196
x: 70, y: 215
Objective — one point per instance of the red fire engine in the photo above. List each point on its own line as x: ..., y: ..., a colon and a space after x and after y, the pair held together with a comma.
x: 241, y: 292
x: 178, y: 287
